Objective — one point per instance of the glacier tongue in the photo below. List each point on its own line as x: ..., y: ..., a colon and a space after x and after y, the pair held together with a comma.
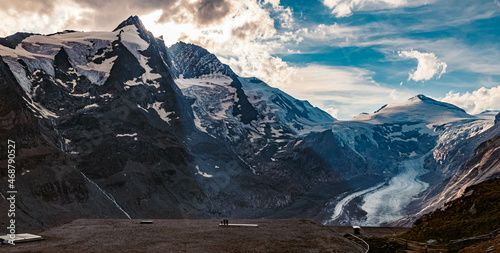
x: 386, y: 204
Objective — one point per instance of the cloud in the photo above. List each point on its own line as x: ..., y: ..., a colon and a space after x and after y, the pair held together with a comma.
x: 328, y: 33
x: 428, y: 65
x: 201, y: 13
x: 285, y: 16
x: 342, y: 10
x: 344, y: 91
x: 30, y: 6
x: 345, y: 8
x: 274, y: 3
x: 260, y: 63
x: 46, y: 16
x: 477, y: 101
x: 54, y: 15
x: 333, y: 112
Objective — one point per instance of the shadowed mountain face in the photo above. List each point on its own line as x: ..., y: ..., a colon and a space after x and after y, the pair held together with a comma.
x: 89, y: 145
x: 102, y: 130
x: 115, y: 124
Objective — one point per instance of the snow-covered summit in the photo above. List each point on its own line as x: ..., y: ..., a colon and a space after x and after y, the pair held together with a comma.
x: 228, y: 105
x: 416, y: 109
x: 132, y: 20
x: 87, y: 53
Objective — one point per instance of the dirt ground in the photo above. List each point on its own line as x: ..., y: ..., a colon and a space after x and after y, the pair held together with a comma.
x: 491, y: 246
x: 94, y: 235
x: 371, y: 231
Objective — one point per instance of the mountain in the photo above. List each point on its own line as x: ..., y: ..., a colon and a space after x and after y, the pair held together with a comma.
x: 401, y: 146
x: 419, y: 109
x: 102, y: 129
x: 244, y: 111
x: 99, y: 126
x: 117, y: 125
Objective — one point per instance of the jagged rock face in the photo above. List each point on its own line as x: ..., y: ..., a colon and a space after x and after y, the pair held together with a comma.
x: 13, y: 40
x: 497, y: 119
x: 192, y: 61
x: 46, y: 178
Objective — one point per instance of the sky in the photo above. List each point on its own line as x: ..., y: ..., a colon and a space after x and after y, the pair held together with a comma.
x: 345, y: 56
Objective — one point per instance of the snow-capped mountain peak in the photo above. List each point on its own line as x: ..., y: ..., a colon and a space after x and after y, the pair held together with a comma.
x: 137, y: 23
x: 416, y: 109
x: 192, y: 61
x: 223, y: 99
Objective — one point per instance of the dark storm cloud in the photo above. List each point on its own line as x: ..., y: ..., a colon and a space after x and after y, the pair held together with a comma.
x: 201, y: 13
x: 211, y: 11
x: 245, y: 30
x: 28, y: 6
x: 105, y: 15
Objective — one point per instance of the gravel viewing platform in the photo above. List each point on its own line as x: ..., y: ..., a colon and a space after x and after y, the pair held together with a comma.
x: 203, y: 235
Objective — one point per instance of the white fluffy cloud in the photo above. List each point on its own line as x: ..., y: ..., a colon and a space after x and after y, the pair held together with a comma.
x: 332, y: 111
x: 477, y: 101
x: 345, y: 8
x: 428, y: 65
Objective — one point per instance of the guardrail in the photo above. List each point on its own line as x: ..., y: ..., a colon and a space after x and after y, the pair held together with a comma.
x: 455, y: 245
x: 363, y: 244
x: 452, y: 246
x: 421, y: 246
